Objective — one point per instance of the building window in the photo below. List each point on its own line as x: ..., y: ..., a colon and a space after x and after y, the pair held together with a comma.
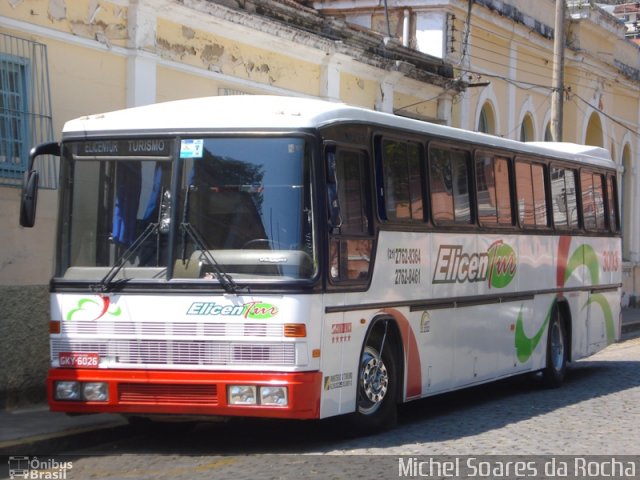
x: 25, y: 110
x: 13, y: 122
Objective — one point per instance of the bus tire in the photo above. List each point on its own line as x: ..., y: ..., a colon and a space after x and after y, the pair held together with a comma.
x: 376, y: 408
x: 557, y: 352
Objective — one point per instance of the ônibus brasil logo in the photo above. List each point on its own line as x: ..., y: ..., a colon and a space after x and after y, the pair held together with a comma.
x: 497, y: 266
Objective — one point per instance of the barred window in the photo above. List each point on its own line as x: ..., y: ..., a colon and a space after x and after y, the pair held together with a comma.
x: 25, y: 110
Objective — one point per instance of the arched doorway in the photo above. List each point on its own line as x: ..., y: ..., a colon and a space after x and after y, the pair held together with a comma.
x: 527, y: 131
x: 487, y: 119
x: 594, y: 135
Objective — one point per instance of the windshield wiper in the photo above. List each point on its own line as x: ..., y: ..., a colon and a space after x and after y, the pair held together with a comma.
x: 223, y: 277
x: 107, y: 281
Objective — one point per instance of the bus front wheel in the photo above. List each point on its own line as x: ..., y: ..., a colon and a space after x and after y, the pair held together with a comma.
x: 377, y: 376
x: 556, y: 368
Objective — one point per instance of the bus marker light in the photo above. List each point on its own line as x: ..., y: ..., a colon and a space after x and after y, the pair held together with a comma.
x: 295, y: 330
x: 54, y: 326
x: 315, y: 353
x: 242, y: 395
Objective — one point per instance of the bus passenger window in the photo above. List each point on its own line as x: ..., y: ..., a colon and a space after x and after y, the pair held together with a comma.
x: 492, y: 183
x: 351, y: 193
x: 588, y: 204
x: 349, y: 211
x: 402, y: 180
x: 449, y: 182
x: 531, y: 196
x: 539, y: 195
x: 612, y: 202
x: 598, y: 200
x: 563, y: 194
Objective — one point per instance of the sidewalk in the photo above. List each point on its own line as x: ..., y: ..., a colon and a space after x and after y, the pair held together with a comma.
x: 38, y: 431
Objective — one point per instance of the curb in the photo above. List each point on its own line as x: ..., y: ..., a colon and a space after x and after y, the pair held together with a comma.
x: 630, y: 327
x: 65, y: 440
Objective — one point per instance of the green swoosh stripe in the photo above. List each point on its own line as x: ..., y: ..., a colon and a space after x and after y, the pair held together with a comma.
x: 600, y: 299
x: 525, y: 345
x: 584, y: 255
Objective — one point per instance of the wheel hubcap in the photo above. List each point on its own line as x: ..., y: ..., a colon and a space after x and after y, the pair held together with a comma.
x: 374, y: 381
x: 557, y: 347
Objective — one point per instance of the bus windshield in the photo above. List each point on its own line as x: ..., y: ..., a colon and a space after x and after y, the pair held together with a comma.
x: 239, y: 208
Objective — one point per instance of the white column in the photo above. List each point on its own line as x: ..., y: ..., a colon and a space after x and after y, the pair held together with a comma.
x: 384, y: 102
x: 445, y: 103
x: 330, y: 78
x: 141, y: 67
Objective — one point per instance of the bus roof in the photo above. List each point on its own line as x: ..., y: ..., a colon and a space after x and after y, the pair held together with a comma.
x: 257, y: 112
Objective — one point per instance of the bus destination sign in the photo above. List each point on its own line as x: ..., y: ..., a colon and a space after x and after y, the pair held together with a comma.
x: 145, y: 147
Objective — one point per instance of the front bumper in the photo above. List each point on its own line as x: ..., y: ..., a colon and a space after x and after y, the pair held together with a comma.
x: 159, y: 392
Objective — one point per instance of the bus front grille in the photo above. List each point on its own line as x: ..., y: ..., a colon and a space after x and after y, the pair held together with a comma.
x: 167, y: 394
x: 176, y: 353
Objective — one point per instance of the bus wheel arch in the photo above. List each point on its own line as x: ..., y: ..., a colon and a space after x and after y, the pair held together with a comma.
x: 558, y: 346
x: 379, y: 377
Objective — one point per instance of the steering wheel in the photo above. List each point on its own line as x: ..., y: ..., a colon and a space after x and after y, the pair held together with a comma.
x: 257, y: 241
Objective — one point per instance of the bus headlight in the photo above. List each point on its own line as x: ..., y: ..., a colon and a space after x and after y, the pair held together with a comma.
x: 95, y: 391
x: 242, y: 395
x: 67, y: 390
x: 273, y: 396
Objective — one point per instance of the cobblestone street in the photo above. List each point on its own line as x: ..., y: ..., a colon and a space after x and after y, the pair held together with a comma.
x: 594, y: 413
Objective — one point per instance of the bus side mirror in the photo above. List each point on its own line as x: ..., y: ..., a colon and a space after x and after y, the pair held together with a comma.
x: 29, y: 196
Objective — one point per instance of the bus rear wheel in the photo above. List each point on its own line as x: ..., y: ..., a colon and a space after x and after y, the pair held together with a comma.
x: 557, y: 352
x: 377, y: 376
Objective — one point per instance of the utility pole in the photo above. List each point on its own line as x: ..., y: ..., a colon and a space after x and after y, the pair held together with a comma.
x: 557, y: 94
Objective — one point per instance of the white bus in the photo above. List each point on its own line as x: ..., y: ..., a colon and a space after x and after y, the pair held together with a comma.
x: 297, y: 258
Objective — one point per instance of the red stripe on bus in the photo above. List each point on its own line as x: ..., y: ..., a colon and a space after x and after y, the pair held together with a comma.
x: 412, y: 354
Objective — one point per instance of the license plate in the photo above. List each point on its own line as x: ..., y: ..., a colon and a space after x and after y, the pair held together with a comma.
x: 79, y: 360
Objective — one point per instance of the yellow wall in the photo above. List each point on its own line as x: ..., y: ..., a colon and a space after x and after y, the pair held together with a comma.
x: 416, y: 105
x: 176, y: 85
x: 204, y: 50
x: 358, y: 91
x: 102, y: 21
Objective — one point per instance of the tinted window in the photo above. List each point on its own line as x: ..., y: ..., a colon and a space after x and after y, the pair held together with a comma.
x: 402, y: 180
x: 449, y: 181
x: 563, y: 194
x: 531, y: 198
x: 612, y: 199
x: 492, y: 181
